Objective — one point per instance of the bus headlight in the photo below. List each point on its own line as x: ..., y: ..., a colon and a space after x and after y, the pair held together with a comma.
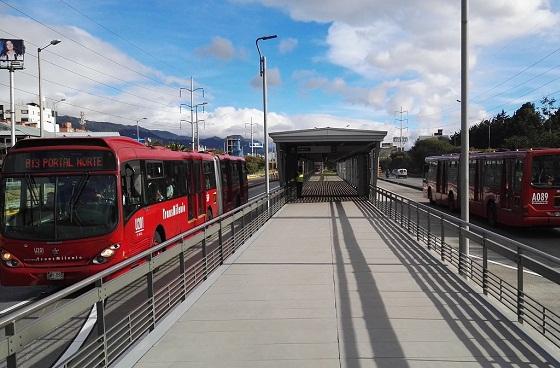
x: 9, y: 259
x: 106, y: 254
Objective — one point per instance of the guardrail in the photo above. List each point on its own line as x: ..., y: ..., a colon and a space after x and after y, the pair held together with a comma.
x: 129, y: 306
x: 438, y: 230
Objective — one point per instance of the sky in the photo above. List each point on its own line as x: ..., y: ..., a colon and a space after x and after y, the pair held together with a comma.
x: 349, y: 64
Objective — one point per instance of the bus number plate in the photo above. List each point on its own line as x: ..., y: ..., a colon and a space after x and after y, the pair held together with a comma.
x: 55, y: 275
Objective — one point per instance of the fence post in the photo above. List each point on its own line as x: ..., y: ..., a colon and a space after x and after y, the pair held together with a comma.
x: 402, y: 211
x: 10, y: 331
x: 204, y: 255
x: 520, y: 294
x: 183, y: 269
x: 150, y: 282
x: 417, y: 222
x: 442, y: 247
x: 233, y: 234
x: 221, y: 242
x: 484, y: 265
x: 408, y: 218
x: 429, y: 228
x: 460, y: 264
x: 100, y: 310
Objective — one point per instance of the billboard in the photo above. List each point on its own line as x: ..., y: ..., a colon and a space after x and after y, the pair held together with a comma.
x: 11, y: 53
x: 398, y: 139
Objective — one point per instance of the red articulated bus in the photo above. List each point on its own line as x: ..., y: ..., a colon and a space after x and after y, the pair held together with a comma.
x: 515, y: 188
x: 72, y: 207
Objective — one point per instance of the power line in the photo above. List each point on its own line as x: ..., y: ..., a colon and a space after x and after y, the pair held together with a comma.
x: 150, y: 54
x: 80, y: 44
x: 88, y: 67
x: 73, y: 105
x: 82, y: 91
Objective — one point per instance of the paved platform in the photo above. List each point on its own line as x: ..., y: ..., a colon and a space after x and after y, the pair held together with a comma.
x: 334, y: 284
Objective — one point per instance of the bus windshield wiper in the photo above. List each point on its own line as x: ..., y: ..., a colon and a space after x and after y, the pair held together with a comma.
x: 76, y: 193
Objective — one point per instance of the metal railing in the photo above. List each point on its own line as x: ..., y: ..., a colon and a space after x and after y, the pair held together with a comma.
x: 439, y: 231
x: 127, y: 307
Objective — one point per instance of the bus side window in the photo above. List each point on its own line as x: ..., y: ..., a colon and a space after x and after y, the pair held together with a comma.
x: 131, y: 180
x: 155, y: 181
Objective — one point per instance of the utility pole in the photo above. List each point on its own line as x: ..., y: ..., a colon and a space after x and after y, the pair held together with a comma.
x: 464, y: 162
x: 83, y: 121
x: 252, y: 141
x: 12, y: 107
x: 191, y: 106
x: 401, y: 120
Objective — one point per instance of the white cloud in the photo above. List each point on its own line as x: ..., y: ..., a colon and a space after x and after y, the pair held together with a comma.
x: 411, y: 49
x: 272, y: 77
x: 287, y: 45
x: 220, y: 48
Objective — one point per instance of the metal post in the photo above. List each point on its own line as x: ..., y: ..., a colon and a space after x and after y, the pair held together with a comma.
x: 484, y: 265
x: 150, y: 285
x: 10, y: 330
x: 100, y: 309
x: 205, y: 255
x: 197, y: 136
x: 520, y: 294
x: 41, y: 127
x: 192, y: 125
x: 221, y: 243
x: 464, y: 173
x: 265, y: 127
x: 417, y: 222
x: 429, y: 227
x: 442, y: 246
x: 233, y: 234
x: 137, y: 132
x: 12, y: 108
x: 183, y: 269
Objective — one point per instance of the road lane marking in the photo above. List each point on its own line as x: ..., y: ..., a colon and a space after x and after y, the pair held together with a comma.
x: 80, y: 338
x: 506, y: 266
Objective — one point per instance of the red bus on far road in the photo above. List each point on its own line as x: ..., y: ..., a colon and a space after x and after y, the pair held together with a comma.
x: 516, y: 188
x: 71, y: 207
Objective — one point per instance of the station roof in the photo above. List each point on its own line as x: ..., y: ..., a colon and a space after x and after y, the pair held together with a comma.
x: 321, y: 135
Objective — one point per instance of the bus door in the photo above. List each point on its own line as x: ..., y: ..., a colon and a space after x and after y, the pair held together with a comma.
x: 191, y: 194
x: 200, y: 197
x: 134, y: 212
x: 516, y: 184
x: 506, y: 200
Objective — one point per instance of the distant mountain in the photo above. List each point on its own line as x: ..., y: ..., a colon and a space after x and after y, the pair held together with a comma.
x: 161, y: 136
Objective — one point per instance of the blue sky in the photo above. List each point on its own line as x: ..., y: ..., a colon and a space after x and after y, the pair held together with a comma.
x: 333, y: 64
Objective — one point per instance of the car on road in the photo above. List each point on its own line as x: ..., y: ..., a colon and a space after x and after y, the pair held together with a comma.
x: 400, y: 173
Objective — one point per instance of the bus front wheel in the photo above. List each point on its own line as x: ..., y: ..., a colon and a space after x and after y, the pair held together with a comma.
x: 430, y: 196
x: 451, y: 202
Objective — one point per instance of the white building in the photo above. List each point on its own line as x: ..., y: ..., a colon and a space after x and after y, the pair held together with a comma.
x: 28, y: 115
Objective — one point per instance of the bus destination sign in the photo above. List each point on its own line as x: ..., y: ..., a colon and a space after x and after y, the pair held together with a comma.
x: 59, y: 161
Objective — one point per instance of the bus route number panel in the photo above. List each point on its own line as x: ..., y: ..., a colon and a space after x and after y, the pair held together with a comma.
x: 77, y: 160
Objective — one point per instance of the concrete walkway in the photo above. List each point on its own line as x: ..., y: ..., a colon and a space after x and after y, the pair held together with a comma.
x: 334, y: 284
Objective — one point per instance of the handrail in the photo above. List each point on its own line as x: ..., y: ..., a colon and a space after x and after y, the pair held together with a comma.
x: 31, y: 308
x: 475, y: 228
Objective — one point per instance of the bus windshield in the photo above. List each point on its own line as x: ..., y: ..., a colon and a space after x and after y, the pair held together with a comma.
x: 546, y: 171
x: 55, y: 208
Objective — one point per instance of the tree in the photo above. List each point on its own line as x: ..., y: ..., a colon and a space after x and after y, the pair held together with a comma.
x: 427, y: 147
x: 254, y: 164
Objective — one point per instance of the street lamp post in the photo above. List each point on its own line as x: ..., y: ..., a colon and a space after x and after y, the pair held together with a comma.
x: 138, y: 128
x: 41, y: 127
x: 262, y: 71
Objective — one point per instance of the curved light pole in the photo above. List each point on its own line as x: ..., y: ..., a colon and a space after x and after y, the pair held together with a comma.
x: 53, y: 42
x: 262, y: 71
x: 138, y: 128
